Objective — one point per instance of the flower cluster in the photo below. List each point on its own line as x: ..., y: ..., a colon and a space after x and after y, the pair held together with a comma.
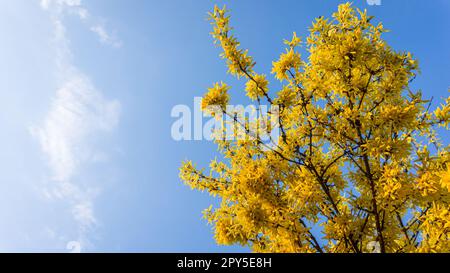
x: 217, y: 96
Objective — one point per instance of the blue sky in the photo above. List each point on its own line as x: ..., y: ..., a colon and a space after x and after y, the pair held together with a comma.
x: 86, y: 91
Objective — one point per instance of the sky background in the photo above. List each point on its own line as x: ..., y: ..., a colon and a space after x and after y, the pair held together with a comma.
x: 86, y: 92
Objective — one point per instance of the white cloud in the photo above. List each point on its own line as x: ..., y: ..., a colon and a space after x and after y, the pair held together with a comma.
x: 76, y: 7
x: 106, y: 37
x: 71, y: 6
x: 77, y: 113
x: 46, y: 4
x: 84, y: 214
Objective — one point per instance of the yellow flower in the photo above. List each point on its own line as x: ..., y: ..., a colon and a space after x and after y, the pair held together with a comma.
x: 294, y: 42
x: 289, y: 60
x: 257, y: 86
x: 217, y: 96
x: 445, y: 179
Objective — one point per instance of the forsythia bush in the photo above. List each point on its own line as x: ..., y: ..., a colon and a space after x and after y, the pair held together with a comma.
x: 358, y: 164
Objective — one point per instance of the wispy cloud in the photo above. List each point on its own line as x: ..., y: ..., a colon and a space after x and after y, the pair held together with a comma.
x: 77, y: 8
x: 105, y: 37
x: 77, y: 112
